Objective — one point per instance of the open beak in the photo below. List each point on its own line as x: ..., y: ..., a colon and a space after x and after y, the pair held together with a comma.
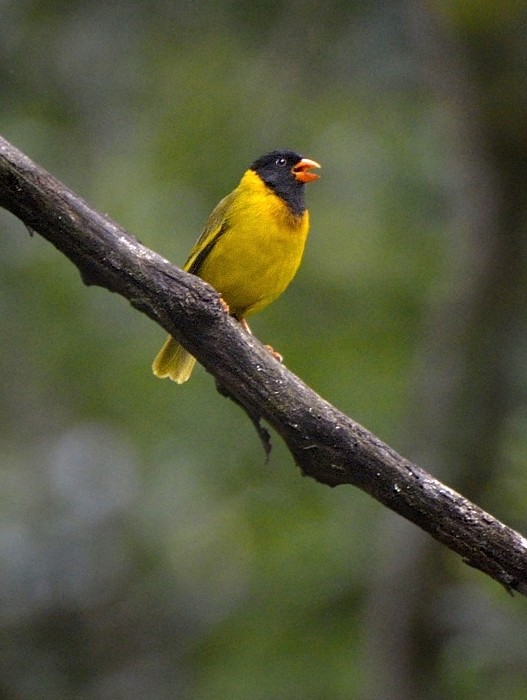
x: 302, y: 168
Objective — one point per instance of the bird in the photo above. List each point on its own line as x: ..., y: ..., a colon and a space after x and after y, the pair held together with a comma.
x: 251, y: 246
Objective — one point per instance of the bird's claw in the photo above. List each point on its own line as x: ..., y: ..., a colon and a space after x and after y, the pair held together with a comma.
x: 275, y: 354
x: 224, y: 305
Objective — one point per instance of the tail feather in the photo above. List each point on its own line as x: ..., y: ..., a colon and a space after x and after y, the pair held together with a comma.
x: 173, y: 361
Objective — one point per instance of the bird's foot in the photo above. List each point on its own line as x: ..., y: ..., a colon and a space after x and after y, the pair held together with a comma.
x: 275, y: 354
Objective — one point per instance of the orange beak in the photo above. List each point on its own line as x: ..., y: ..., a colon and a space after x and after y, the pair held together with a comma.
x: 301, y: 170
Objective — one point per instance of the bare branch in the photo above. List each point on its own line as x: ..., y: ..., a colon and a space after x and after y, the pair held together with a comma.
x: 326, y: 444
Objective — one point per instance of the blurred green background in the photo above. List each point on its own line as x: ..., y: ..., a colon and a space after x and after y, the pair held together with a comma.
x: 145, y: 549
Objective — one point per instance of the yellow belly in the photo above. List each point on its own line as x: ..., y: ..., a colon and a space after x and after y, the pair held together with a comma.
x: 256, y: 258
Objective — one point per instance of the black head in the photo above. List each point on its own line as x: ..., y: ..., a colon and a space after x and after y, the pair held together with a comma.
x: 286, y: 173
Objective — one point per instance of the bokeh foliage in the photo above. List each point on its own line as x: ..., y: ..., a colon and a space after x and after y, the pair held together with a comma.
x: 145, y: 550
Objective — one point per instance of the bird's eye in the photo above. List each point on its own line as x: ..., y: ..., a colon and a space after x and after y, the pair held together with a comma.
x: 281, y: 161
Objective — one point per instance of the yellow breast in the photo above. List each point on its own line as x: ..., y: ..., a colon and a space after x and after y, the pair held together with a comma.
x: 258, y: 254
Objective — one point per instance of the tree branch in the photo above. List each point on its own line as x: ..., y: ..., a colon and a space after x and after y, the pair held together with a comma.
x: 326, y: 444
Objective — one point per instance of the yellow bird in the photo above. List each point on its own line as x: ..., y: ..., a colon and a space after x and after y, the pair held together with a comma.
x: 251, y: 246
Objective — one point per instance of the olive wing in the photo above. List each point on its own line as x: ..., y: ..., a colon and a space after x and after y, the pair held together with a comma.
x: 217, y: 224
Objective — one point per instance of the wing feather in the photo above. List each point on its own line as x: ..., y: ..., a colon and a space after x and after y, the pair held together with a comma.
x: 217, y: 224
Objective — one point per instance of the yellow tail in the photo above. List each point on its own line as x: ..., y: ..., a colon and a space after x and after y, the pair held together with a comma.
x: 173, y: 361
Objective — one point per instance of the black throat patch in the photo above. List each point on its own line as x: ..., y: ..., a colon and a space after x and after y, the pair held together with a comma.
x: 275, y: 170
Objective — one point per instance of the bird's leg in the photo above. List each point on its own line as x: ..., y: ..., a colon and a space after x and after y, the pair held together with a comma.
x: 224, y: 305
x: 243, y: 323
x: 245, y: 326
x: 276, y: 355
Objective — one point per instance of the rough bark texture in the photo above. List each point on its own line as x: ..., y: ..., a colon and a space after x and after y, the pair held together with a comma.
x: 326, y: 444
